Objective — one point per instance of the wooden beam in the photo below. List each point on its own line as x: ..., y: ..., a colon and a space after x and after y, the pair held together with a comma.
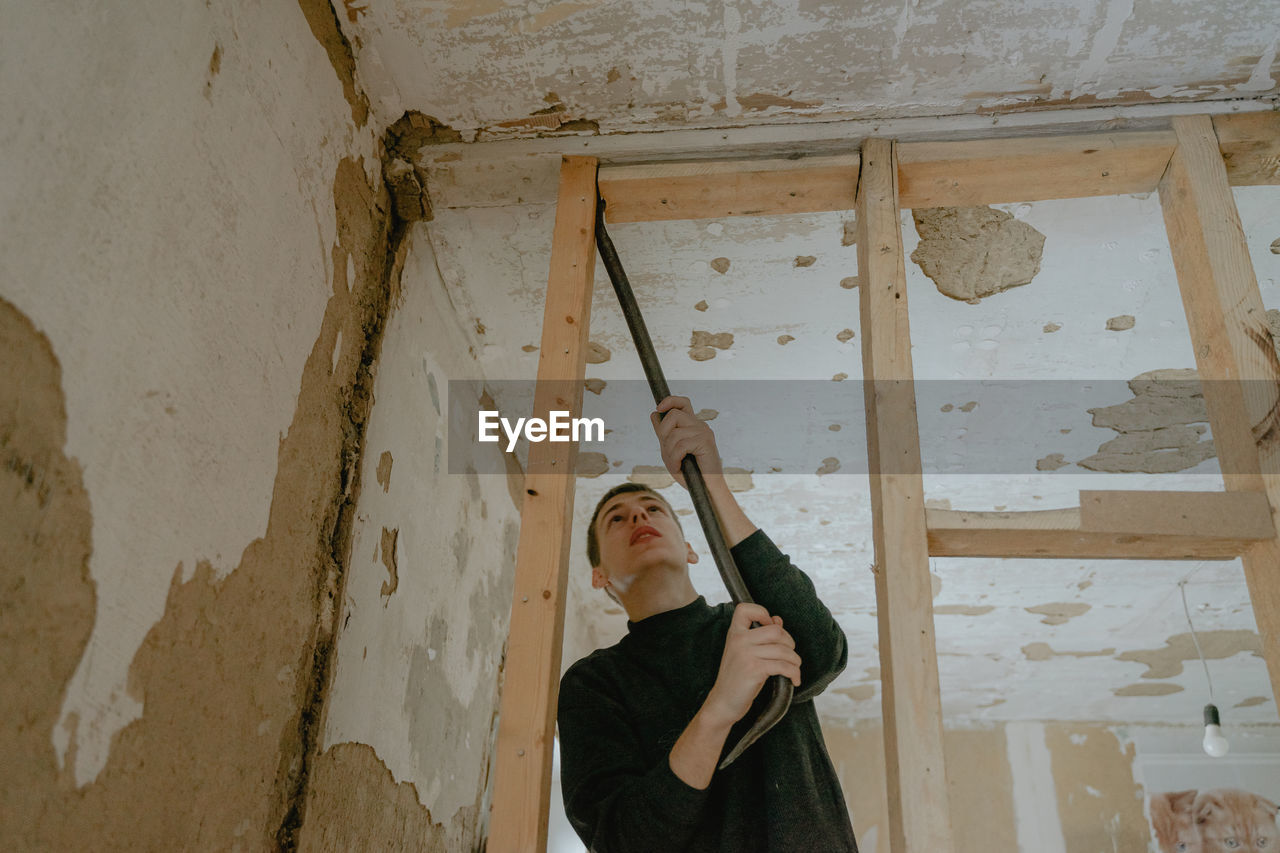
x: 523, y: 753
x: 1250, y: 146
x: 916, y: 780
x: 967, y: 174
x: 1121, y: 525
x: 706, y: 190
x: 1235, y: 355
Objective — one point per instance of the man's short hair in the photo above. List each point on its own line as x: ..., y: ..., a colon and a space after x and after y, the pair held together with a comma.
x: 593, y: 543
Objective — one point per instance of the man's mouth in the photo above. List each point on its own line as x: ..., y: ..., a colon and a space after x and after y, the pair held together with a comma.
x: 642, y: 533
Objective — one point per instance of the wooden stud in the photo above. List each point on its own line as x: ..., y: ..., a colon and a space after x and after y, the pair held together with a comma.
x: 919, y: 814
x: 1235, y: 355
x: 523, y: 752
x: 646, y: 193
x: 1117, y: 524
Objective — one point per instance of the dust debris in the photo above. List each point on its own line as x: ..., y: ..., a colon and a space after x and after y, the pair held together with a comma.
x: 1059, y: 612
x: 591, y: 464
x: 1252, y: 700
x: 1050, y: 328
x: 783, y: 340
x: 1120, y: 323
x: 844, y: 335
x: 840, y: 377
x: 973, y: 252
x: 613, y: 76
x: 1147, y: 690
x: 850, y: 232
x: 388, y: 548
x: 707, y: 414
x: 598, y: 353
x: 701, y: 306
x: 1160, y: 429
x: 834, y: 427
x: 720, y: 265
x: 1275, y: 246
x: 946, y: 407
x: 805, y: 260
x: 384, y: 470
x: 849, y: 282
x: 1042, y: 651
x: 969, y: 406
x: 529, y: 348
x: 830, y: 465
x: 703, y: 344
x: 738, y: 479
x: 595, y: 386
x: 480, y: 328
x: 1052, y: 462
x: 653, y: 476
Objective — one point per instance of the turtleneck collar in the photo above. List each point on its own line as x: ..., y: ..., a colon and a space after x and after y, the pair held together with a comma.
x: 671, y: 621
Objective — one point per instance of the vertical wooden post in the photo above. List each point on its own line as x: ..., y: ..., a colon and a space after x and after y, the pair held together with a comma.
x: 523, y: 753
x: 919, y: 814
x: 919, y: 817
x: 1235, y: 356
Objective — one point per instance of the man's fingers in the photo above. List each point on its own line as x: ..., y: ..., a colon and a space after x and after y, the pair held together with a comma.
x: 674, y: 402
x: 768, y: 634
x: 744, y: 614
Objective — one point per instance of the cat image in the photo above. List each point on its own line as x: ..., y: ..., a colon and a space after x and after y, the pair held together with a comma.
x: 1174, y: 822
x: 1230, y: 820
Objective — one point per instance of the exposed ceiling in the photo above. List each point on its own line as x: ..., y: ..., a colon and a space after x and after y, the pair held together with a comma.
x: 1017, y: 639
x: 495, y: 67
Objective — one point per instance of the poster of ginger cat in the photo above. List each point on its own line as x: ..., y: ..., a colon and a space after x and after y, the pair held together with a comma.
x: 1218, y: 820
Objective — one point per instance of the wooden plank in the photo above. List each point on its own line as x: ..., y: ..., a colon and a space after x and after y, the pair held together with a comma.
x: 1118, y: 525
x: 1250, y: 146
x: 915, y: 772
x: 1235, y: 356
x: 523, y: 752
x: 645, y: 193
x: 994, y: 171
x: 1242, y: 516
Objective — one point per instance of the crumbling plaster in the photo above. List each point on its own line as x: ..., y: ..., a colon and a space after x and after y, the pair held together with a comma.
x: 418, y: 666
x: 491, y: 68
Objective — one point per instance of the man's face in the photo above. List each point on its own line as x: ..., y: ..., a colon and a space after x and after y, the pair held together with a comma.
x: 636, y: 532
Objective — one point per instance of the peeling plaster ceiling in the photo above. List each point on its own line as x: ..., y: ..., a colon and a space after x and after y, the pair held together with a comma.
x: 497, y: 68
x: 735, y: 303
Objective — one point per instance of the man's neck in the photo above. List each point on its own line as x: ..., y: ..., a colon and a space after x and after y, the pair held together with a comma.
x: 644, y: 601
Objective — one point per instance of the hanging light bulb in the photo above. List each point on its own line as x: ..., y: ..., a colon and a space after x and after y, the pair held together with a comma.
x: 1214, y: 743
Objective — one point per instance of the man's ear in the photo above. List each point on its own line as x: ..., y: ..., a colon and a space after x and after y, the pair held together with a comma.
x: 598, y: 578
x: 692, y: 556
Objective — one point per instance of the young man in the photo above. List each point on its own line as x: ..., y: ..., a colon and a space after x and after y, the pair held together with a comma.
x: 644, y: 723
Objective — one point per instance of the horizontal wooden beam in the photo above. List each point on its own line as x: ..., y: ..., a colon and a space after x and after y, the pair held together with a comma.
x: 1250, y: 146
x: 978, y: 172
x: 936, y: 174
x: 1128, y: 525
x: 708, y: 190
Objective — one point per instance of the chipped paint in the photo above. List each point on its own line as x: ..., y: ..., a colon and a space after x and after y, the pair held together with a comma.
x: 973, y: 252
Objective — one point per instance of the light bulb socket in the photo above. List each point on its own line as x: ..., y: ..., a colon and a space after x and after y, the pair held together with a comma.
x: 1211, y: 715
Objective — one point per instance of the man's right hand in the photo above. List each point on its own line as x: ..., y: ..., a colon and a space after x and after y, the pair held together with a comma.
x: 751, y: 656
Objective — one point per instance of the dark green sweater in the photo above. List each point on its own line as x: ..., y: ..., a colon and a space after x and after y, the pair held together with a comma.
x: 622, y: 708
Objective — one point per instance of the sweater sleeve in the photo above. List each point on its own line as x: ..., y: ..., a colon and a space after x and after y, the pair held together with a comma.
x: 614, y: 800
x: 785, y: 591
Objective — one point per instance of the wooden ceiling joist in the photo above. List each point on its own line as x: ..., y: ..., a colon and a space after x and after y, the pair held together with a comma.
x: 961, y: 173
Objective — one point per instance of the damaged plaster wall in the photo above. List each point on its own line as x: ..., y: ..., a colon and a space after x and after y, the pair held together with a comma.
x: 413, y: 703
x: 1050, y: 787
x: 192, y: 263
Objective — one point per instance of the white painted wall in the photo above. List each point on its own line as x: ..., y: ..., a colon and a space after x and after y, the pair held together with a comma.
x: 169, y: 230
x: 417, y: 669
